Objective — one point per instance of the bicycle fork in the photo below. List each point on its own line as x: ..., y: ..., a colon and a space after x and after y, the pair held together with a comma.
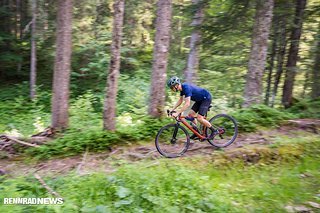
x: 174, y: 139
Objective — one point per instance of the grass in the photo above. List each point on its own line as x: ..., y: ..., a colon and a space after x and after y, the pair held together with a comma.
x: 187, y: 185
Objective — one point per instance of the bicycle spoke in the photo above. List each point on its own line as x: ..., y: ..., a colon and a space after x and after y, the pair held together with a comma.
x: 226, y: 130
x: 172, y: 141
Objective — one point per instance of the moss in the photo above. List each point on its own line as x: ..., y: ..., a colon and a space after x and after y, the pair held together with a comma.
x: 257, y: 154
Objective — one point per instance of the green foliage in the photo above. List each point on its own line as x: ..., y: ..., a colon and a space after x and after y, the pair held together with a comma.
x: 161, y: 189
x: 85, y: 130
x: 76, y: 142
x: 19, y: 115
x: 306, y: 108
x: 90, y: 63
x: 249, y: 119
x: 145, y: 128
x: 10, y: 92
x: 133, y: 94
x: 179, y: 185
x: 85, y: 112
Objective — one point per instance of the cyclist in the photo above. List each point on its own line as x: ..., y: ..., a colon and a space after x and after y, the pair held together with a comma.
x: 200, y: 96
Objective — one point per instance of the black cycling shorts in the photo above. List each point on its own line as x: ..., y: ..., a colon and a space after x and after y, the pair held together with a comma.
x: 201, y: 107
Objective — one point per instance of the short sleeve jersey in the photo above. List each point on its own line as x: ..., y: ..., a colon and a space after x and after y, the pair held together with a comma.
x: 196, y: 93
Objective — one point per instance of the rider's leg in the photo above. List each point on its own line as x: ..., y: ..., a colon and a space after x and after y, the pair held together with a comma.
x: 206, y: 123
x: 192, y: 114
x: 203, y: 121
x: 203, y: 109
x: 194, y: 110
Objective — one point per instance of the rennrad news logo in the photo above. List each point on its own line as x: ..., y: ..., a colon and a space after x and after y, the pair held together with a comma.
x: 32, y: 201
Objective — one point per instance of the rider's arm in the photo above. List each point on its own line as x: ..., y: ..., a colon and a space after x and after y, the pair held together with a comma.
x: 186, y: 105
x: 179, y: 102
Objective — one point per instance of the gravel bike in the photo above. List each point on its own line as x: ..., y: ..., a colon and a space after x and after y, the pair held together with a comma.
x: 173, y: 140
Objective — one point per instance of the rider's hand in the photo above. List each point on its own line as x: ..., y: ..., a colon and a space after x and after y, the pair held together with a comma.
x: 175, y: 114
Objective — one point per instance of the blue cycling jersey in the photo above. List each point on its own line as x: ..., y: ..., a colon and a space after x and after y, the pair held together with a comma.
x: 196, y: 93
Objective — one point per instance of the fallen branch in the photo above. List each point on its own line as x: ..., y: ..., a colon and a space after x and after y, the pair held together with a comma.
x: 153, y: 164
x: 114, y: 151
x: 41, y: 167
x: 62, y: 169
x: 136, y: 155
x: 26, y: 28
x: 83, y: 160
x: 18, y: 141
x: 5, y: 145
x: 46, y: 186
x: 47, y: 133
x: 151, y: 152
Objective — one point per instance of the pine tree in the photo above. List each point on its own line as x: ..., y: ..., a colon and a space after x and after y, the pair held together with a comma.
x: 291, y: 66
x: 258, y: 54
x: 316, y: 68
x: 109, y: 114
x: 160, y: 56
x: 61, y: 77
x: 33, y: 67
x: 193, y: 57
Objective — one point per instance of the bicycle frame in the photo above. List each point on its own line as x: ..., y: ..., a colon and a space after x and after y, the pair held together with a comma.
x: 173, y: 140
x: 183, y: 120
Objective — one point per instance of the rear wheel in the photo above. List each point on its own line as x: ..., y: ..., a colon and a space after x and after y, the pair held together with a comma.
x: 172, y: 140
x: 226, y: 130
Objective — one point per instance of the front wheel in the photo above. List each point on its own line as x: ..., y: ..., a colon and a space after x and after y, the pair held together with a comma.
x: 172, y: 141
x: 226, y: 130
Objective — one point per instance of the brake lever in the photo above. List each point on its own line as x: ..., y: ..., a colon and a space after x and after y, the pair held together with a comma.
x: 169, y: 113
x: 178, y: 118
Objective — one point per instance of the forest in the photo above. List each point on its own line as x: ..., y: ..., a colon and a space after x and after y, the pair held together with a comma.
x: 83, y: 90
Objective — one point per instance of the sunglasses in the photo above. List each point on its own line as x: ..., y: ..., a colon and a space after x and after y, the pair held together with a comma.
x: 173, y: 88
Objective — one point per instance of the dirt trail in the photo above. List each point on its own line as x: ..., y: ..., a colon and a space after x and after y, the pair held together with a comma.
x: 109, y: 161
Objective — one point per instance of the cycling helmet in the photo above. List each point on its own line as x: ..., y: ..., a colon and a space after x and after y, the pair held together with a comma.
x: 173, y: 81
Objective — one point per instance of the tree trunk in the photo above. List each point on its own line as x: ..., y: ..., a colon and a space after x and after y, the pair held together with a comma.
x: 291, y: 66
x: 18, y: 19
x: 18, y: 31
x: 33, y: 67
x: 45, y: 19
x: 193, y: 57
x: 315, y: 93
x: 180, y: 38
x: 280, y: 58
x: 61, y: 76
x: 24, y: 17
x: 109, y: 115
x: 259, y: 46
x: 271, y: 58
x: 160, y: 56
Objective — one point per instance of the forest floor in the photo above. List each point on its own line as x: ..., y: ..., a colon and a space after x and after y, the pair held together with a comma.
x: 109, y: 161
